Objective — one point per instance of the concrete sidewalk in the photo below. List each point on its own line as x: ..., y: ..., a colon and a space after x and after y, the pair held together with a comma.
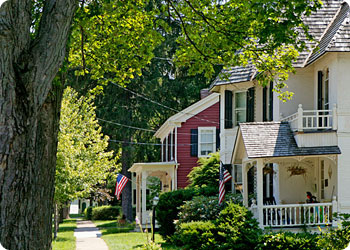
x: 88, y: 236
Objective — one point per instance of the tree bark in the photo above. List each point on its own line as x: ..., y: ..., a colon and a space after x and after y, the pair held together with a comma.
x: 126, y: 195
x: 29, y: 118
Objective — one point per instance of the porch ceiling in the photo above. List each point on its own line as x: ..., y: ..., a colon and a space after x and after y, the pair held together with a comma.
x: 154, y: 166
x: 275, y: 139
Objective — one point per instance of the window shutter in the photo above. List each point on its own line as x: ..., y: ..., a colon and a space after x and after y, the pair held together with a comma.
x: 319, y: 90
x: 271, y: 102
x: 228, y: 109
x: 250, y: 104
x: 217, y: 139
x: 194, y: 142
x: 264, y: 104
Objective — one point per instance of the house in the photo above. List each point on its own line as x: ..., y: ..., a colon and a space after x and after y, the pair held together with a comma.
x: 278, y: 151
x: 185, y: 136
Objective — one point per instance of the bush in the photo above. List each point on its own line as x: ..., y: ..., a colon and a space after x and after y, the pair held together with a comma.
x: 88, y: 213
x: 203, y: 208
x: 168, y: 206
x: 105, y: 212
x: 207, y: 172
x: 287, y: 240
x: 237, y: 229
x: 196, y: 235
x: 335, y: 239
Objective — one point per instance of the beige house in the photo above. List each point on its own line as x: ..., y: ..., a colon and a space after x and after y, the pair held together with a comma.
x: 279, y: 151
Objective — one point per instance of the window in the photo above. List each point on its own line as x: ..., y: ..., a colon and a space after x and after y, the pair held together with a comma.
x: 240, y: 107
x: 237, y: 178
x: 207, y: 141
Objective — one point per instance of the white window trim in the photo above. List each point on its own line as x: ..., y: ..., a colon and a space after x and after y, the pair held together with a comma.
x: 238, y: 109
x: 199, y: 139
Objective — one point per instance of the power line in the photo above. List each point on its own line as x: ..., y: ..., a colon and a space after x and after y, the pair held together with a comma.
x: 160, y: 104
x: 137, y: 128
x: 148, y: 143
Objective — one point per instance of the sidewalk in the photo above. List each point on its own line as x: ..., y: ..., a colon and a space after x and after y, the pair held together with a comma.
x: 88, y: 236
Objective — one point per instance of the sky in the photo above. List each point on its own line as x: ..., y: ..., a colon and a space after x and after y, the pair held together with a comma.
x: 2, y: 1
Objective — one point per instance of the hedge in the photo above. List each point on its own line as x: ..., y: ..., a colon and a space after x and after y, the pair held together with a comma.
x: 105, y: 212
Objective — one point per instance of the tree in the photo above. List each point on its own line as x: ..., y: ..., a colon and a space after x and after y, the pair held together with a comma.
x: 82, y: 159
x: 32, y: 48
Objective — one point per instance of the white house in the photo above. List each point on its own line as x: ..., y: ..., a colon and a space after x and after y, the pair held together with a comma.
x: 279, y: 151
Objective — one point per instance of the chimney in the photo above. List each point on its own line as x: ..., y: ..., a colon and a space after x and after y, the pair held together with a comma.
x: 204, y: 93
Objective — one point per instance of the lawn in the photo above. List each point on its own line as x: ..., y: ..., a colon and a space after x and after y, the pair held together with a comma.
x: 65, y: 237
x: 117, y: 237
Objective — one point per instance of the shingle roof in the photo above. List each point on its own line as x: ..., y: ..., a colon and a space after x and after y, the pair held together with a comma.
x: 235, y: 75
x: 275, y: 139
x: 330, y: 28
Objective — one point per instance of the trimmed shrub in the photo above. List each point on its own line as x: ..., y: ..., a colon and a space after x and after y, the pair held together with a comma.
x: 168, y: 206
x: 287, y: 240
x: 203, y: 208
x: 88, y: 213
x: 105, y: 212
x: 196, y: 235
x: 237, y: 229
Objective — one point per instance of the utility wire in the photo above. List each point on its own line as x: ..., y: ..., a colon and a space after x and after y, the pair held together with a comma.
x: 148, y: 143
x: 160, y: 104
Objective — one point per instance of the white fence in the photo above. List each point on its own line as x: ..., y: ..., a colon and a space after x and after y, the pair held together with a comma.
x: 297, y: 215
x: 312, y: 119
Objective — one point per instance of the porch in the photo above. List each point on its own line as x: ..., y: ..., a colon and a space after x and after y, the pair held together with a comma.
x: 278, y: 197
x: 277, y: 174
x: 165, y: 171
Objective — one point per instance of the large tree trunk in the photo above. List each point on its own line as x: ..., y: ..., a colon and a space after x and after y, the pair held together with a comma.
x: 126, y: 196
x: 29, y: 117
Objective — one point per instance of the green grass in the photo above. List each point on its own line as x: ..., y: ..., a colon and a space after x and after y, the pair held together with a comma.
x: 127, y: 241
x: 65, y: 237
x: 73, y: 216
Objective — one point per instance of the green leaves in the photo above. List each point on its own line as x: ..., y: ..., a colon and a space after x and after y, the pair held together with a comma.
x: 82, y: 159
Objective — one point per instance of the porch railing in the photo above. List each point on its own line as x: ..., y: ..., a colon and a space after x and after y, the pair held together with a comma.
x: 312, y: 119
x: 297, y: 215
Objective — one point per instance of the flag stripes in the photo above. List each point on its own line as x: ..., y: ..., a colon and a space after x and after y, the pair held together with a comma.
x: 119, y: 186
x: 223, y: 178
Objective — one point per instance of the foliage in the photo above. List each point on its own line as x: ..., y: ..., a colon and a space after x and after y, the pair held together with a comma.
x: 82, y: 160
x: 105, y: 212
x: 196, y: 235
x: 207, y: 173
x: 287, y: 240
x: 115, y: 38
x: 169, y: 203
x: 233, y: 33
x: 335, y: 239
x: 203, y: 208
x: 237, y: 229
x: 88, y: 213
x: 154, y: 187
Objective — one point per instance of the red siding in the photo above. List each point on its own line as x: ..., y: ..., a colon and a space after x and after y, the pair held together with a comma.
x: 186, y: 161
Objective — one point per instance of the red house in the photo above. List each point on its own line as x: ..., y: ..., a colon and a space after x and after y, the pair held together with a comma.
x: 185, y: 136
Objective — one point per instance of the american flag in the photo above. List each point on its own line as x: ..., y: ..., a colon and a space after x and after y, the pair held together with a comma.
x: 119, y: 186
x: 223, y: 178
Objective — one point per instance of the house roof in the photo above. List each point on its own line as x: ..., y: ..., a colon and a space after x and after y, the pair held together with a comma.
x: 275, y: 139
x: 331, y: 31
x: 187, y: 113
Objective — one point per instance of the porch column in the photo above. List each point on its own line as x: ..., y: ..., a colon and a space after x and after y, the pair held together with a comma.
x: 138, y: 194
x: 143, y: 190
x: 245, y: 183
x: 260, y: 192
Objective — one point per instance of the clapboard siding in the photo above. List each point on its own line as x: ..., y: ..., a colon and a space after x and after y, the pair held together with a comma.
x: 186, y: 161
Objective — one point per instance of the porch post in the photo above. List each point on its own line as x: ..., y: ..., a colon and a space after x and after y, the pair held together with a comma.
x: 143, y: 190
x: 335, y: 118
x: 245, y: 184
x: 334, y: 210
x: 300, y: 118
x: 260, y: 187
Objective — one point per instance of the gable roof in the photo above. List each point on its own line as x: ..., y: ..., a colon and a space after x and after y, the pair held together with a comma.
x: 187, y: 113
x: 330, y: 28
x: 275, y: 139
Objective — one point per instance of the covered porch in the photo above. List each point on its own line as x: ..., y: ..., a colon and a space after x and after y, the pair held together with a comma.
x: 165, y: 171
x: 277, y: 174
